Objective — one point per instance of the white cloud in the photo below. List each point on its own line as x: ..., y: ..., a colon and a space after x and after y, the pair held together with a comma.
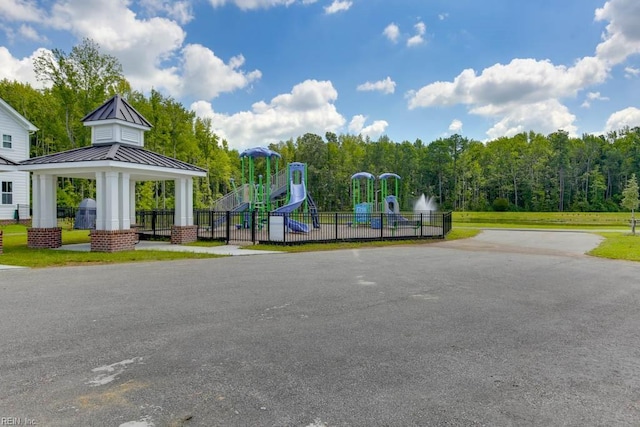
x: 30, y: 33
x: 620, y: 119
x: 200, y: 63
x: 309, y: 107
x: 520, y: 81
x: 622, y: 36
x: 392, y: 32
x: 19, y: 69
x: 455, y: 126
x: 630, y: 72
x: 373, y: 131
x: 180, y: 11
x: 386, y: 86
x: 415, y: 40
x: 418, y: 38
x: 20, y: 10
x: 593, y: 96
x: 544, y: 117
x: 255, y: 4
x: 141, y: 45
x: 338, y: 6
x: 443, y: 16
x: 520, y: 95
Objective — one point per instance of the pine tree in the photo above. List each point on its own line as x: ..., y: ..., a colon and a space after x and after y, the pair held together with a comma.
x: 630, y: 200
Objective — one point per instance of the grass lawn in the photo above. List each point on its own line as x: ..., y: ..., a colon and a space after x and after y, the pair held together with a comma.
x: 16, y: 251
x: 619, y: 246
x: 582, y: 220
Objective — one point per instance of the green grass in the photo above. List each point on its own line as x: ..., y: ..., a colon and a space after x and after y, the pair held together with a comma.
x: 16, y: 252
x: 543, y: 219
x: 617, y: 244
x: 622, y: 246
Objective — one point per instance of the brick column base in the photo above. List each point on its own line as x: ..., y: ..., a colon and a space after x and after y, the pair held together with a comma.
x: 113, y: 240
x: 0, y: 241
x: 184, y: 234
x: 44, y: 238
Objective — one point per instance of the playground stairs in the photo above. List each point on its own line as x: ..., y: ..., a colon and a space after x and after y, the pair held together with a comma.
x: 240, y: 195
x: 232, y: 200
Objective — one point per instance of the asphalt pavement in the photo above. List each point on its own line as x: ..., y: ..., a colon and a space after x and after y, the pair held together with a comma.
x: 479, y: 332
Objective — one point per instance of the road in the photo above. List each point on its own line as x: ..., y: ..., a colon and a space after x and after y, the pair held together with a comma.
x: 464, y: 333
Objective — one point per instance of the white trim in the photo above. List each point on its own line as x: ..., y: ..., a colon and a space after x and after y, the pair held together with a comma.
x: 88, y: 169
x: 17, y: 116
x: 116, y: 121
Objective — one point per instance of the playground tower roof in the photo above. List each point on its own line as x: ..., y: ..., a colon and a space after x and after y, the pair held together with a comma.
x: 259, y: 152
x: 362, y: 175
x: 389, y: 175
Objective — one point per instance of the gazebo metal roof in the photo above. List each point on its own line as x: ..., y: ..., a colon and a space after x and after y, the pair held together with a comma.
x: 117, y: 152
x: 117, y: 108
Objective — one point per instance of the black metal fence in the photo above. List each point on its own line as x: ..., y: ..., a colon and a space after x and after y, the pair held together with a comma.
x: 300, y: 227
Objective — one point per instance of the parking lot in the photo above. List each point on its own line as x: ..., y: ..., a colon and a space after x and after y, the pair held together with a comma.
x: 503, y: 329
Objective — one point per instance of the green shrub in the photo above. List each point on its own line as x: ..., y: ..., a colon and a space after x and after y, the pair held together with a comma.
x: 500, y: 204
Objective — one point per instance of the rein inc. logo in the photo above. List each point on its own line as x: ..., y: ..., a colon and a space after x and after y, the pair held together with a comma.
x: 17, y: 421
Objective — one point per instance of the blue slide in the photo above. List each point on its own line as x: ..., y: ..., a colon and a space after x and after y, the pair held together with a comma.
x: 297, y: 196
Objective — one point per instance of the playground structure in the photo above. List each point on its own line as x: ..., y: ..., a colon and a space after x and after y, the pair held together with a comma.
x: 277, y: 208
x: 366, y: 203
x: 263, y: 193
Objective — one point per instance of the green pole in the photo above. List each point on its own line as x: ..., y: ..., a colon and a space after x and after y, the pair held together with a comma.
x: 252, y: 182
x: 268, y: 188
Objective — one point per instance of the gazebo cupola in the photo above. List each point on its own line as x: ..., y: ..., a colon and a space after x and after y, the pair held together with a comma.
x: 116, y: 122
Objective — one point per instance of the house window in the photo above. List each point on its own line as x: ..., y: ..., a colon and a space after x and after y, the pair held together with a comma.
x: 7, y: 192
x: 6, y: 141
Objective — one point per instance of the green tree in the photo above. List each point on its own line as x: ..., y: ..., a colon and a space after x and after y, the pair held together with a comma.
x: 630, y: 199
x: 81, y: 81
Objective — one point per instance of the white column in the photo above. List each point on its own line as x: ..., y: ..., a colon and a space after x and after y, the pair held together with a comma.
x: 101, y: 200
x: 111, y: 220
x: 44, y: 201
x: 36, y: 215
x: 132, y: 202
x: 124, y: 200
x: 180, y: 202
x: 189, y: 197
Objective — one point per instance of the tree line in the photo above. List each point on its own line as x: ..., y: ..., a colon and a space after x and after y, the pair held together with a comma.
x: 525, y: 172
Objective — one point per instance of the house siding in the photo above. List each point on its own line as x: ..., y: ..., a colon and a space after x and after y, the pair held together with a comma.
x: 18, y: 152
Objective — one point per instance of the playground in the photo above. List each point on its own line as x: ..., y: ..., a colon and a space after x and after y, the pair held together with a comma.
x: 276, y: 206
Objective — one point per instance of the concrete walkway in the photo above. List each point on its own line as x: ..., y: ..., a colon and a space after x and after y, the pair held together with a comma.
x: 147, y: 245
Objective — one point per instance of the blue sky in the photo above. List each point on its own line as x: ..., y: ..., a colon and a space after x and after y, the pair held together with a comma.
x: 270, y: 70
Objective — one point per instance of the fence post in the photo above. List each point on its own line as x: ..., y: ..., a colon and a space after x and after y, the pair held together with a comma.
x: 336, y: 226
x: 228, y: 227
x: 253, y: 226
x: 381, y: 227
x: 285, y: 219
x: 211, y: 224
x: 154, y: 218
x: 421, y: 224
x: 269, y: 226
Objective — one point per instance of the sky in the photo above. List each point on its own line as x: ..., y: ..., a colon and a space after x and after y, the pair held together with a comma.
x: 269, y: 70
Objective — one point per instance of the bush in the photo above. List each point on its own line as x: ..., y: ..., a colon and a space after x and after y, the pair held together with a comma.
x: 500, y: 204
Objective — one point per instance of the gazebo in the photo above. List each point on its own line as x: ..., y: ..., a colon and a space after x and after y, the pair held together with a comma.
x: 116, y: 160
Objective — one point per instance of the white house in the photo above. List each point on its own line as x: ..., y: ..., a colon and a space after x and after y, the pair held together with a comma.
x: 14, y: 148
